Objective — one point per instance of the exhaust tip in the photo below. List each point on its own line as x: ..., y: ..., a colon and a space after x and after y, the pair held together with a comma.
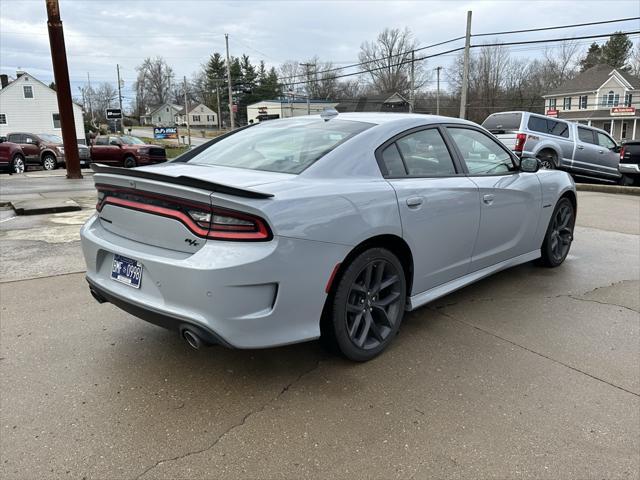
x: 97, y: 296
x: 192, y: 339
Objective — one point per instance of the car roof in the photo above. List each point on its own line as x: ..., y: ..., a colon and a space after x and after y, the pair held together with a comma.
x: 378, y: 118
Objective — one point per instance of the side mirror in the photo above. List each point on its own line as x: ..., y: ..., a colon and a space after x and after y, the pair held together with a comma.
x: 529, y: 164
x: 616, y: 149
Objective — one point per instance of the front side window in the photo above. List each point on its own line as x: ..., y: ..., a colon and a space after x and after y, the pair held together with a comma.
x: 50, y: 138
x: 483, y: 155
x: 286, y: 147
x: 129, y: 140
x: 567, y: 103
x: 56, y: 120
x: 102, y: 141
x: 605, y: 141
x: 425, y: 154
x: 585, y: 135
x: 583, y: 102
x: 27, y: 90
x: 3, y: 118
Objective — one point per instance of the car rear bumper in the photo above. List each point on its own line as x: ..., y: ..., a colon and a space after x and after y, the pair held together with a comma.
x: 632, y: 168
x: 241, y: 294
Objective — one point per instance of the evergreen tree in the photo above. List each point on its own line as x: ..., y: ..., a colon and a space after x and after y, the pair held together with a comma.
x: 592, y: 58
x: 617, y: 50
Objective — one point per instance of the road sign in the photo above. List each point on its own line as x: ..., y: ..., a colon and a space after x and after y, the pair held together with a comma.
x: 162, y: 133
x: 114, y: 114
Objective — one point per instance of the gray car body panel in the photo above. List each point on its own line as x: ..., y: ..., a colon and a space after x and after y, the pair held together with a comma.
x: 262, y: 294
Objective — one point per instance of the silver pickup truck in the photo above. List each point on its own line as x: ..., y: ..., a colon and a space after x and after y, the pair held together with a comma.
x: 581, y: 150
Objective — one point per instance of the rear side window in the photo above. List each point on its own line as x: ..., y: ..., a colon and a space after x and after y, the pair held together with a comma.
x: 546, y: 125
x: 425, y: 154
x: 585, y: 135
x: 285, y: 147
x: 101, y: 141
x: 503, y: 122
x: 393, y: 162
x: 15, y: 138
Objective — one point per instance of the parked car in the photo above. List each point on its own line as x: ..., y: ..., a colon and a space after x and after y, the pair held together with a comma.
x: 46, y: 150
x: 329, y: 225
x: 11, y: 156
x: 579, y: 149
x: 630, y: 162
x: 126, y: 151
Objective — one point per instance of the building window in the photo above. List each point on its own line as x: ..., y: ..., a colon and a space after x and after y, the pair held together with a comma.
x: 612, y: 100
x: 196, y: 118
x: 3, y: 118
x: 607, y: 127
x: 27, y: 90
x: 582, y: 104
x: 628, y: 98
x: 552, y: 104
x: 56, y: 120
x: 567, y: 103
x: 167, y: 109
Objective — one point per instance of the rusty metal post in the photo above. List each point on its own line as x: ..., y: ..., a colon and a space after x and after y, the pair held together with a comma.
x: 63, y: 88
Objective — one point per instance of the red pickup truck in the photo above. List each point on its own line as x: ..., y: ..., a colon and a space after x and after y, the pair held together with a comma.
x: 125, y: 151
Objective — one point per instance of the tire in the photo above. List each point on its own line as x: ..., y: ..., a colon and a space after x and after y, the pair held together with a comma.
x: 626, y: 180
x: 18, y: 164
x: 49, y: 162
x: 548, y: 159
x: 129, y: 162
x: 368, y: 304
x: 557, y: 240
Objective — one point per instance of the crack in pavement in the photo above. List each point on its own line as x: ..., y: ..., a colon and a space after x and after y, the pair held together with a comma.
x: 533, y: 351
x: 239, y: 424
x: 598, y: 301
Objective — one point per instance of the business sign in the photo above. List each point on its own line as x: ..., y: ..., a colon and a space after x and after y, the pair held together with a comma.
x: 552, y: 112
x: 623, y: 111
x: 114, y: 114
x: 164, y: 133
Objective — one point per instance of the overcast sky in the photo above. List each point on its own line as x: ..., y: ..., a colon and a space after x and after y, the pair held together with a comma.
x: 100, y: 34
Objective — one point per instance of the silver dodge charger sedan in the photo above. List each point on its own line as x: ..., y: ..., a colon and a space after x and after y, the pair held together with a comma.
x: 325, y: 226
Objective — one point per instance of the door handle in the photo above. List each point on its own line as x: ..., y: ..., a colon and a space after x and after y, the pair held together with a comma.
x: 580, y: 147
x: 488, y: 198
x: 415, y: 201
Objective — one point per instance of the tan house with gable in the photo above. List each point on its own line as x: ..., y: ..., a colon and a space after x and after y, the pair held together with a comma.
x: 603, y: 97
x: 199, y: 116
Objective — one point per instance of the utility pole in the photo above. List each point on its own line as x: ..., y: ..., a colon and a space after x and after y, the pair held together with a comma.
x: 218, y: 103
x: 465, y: 71
x: 438, y: 90
x: 93, y: 121
x: 120, y: 100
x: 413, y: 74
x: 233, y: 121
x: 186, y: 110
x: 307, y: 66
x: 63, y: 89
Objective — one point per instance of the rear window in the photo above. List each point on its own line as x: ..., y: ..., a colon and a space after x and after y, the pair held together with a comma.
x: 503, y: 121
x: 285, y: 147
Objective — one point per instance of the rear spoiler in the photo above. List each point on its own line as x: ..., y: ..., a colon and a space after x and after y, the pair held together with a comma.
x: 181, y: 180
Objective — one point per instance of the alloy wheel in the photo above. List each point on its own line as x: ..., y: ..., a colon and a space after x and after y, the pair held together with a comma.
x: 49, y: 163
x: 373, y: 303
x: 18, y: 165
x: 561, y: 232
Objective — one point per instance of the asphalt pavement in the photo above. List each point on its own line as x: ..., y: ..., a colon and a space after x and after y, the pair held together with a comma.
x: 531, y: 373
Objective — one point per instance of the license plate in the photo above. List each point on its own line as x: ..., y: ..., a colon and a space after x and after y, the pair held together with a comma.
x: 126, y: 270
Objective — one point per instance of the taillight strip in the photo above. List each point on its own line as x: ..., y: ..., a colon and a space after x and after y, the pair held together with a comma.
x: 262, y: 233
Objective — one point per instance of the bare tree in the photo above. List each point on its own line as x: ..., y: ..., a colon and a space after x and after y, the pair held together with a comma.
x: 634, y: 61
x: 388, y: 61
x: 103, y: 97
x: 154, y: 82
x: 290, y: 74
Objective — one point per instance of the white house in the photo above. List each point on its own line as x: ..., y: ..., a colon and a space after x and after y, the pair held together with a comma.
x: 270, y: 109
x: 163, y: 115
x: 28, y: 105
x: 199, y: 116
x: 601, y: 96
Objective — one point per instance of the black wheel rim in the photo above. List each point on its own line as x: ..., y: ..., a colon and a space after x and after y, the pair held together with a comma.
x: 546, y: 163
x: 561, y: 232
x: 373, y: 304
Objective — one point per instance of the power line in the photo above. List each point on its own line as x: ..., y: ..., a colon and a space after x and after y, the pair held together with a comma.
x: 619, y: 20
x: 552, y: 40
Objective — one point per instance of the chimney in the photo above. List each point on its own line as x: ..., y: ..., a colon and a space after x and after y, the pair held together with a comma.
x: 20, y: 73
x: 4, y: 80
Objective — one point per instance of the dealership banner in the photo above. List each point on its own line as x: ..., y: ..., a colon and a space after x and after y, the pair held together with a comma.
x: 164, y: 133
x: 552, y: 112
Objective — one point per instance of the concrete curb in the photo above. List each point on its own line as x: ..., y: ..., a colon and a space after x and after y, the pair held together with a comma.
x: 38, y: 207
x: 589, y: 187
